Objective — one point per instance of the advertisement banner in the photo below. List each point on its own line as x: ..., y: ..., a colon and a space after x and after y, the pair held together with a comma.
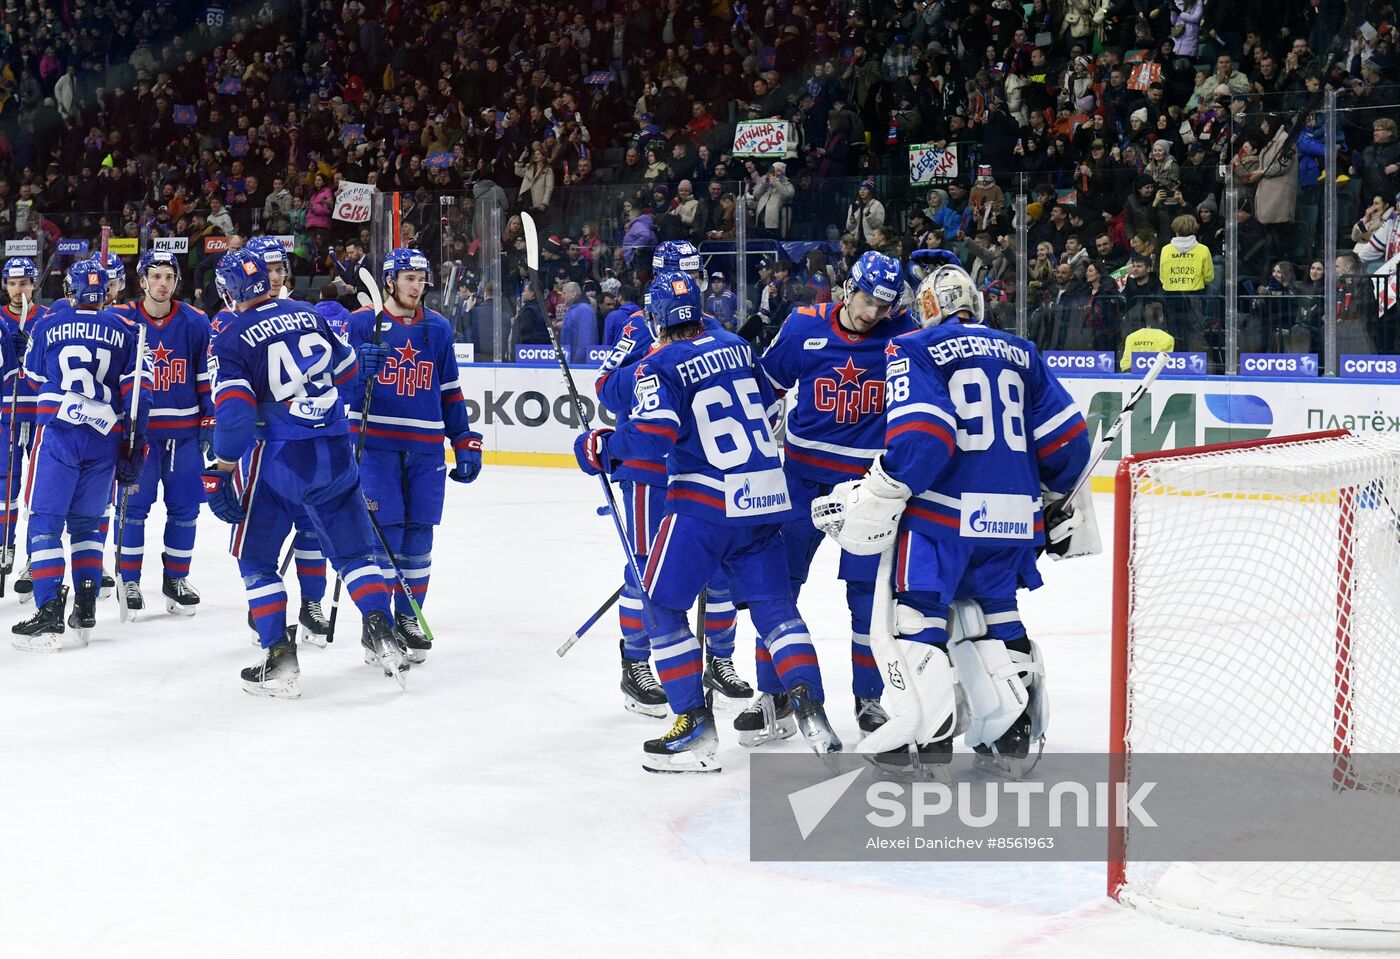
x: 22, y: 247
x: 542, y: 354
x: 352, y: 202
x: 1368, y: 366
x: 72, y: 247
x: 1079, y: 361
x: 523, y: 409
x: 931, y: 164
x: 1178, y: 364
x: 172, y: 244
x: 1278, y: 364
x: 772, y: 139
x: 124, y: 245
x: 215, y: 244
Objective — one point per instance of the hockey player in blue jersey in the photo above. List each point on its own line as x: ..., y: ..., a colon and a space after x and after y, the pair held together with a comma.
x: 643, y: 488
x: 181, y: 413
x: 979, y: 434
x: 84, y: 360
x: 278, y: 372
x: 831, y: 357
x: 416, y: 406
x: 17, y: 417
x: 699, y: 408
x: 313, y: 627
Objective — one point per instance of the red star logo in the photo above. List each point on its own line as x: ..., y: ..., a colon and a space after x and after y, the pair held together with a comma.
x: 160, y: 354
x: 628, y: 330
x: 407, y: 354
x: 850, y: 373
x: 216, y: 325
x: 640, y: 371
x: 891, y: 349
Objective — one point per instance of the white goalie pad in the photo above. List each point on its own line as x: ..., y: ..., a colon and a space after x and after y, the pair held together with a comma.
x: 920, y: 687
x: 1000, y: 684
x: 1082, y: 529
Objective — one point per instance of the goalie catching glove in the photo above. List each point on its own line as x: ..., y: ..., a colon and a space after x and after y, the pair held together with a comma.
x: 1071, y: 528
x: 862, y: 515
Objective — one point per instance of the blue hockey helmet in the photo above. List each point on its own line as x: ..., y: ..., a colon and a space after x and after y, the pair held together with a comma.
x: 116, y: 270
x: 152, y: 258
x: 402, y: 258
x: 87, y: 282
x: 675, y: 255
x: 21, y: 268
x: 877, y: 276
x: 268, y: 249
x: 673, y: 299
x: 923, y: 262
x: 240, y: 277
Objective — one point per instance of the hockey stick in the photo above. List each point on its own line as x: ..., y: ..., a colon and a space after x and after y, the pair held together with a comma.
x: 1159, y: 363
x: 7, y: 562
x: 124, y: 611
x: 700, y: 638
x: 376, y: 302
x: 399, y: 574
x: 532, y: 262
x: 588, y: 623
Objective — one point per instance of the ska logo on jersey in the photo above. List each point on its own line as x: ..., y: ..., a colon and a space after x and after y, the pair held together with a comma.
x: 406, y: 373
x: 167, y: 370
x: 846, y: 396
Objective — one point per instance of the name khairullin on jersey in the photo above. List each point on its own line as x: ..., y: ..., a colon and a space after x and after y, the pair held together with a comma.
x: 86, y: 331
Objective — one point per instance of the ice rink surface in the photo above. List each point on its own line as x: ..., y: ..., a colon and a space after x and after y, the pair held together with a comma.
x: 497, y: 807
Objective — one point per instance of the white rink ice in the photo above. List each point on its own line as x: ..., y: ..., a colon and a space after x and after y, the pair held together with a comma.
x: 497, y: 807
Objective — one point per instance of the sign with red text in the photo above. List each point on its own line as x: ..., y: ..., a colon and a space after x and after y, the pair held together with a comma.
x: 932, y: 164
x: 773, y: 139
x: 352, y: 202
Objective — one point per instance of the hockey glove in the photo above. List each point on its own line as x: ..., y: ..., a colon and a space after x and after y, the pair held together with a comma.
x: 223, y: 500
x: 206, y: 435
x: 863, y: 515
x: 130, y: 463
x: 591, y: 451
x: 468, y: 460
x: 19, y: 342
x: 371, y: 357
x: 1060, y: 522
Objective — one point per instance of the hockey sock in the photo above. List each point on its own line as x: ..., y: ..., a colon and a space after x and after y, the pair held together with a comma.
x: 393, y: 535
x: 179, y: 544
x: 636, y: 647
x: 267, y: 604
x: 311, y: 565
x: 416, y: 561
x: 787, y: 641
x: 768, y: 681
x: 86, y: 537
x: 865, y: 675
x: 934, y: 612
x: 131, y: 550
x: 677, y: 658
x: 46, y: 564
x: 719, y: 623
x: 1003, y: 620
x: 365, y: 583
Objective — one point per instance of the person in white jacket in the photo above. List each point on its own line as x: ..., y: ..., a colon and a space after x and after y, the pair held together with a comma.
x: 771, y: 193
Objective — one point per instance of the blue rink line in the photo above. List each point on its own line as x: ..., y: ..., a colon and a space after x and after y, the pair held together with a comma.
x: 721, y: 832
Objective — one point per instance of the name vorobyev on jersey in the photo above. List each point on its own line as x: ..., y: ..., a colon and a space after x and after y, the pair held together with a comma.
x: 836, y: 424
x: 699, y: 405
x: 975, y: 424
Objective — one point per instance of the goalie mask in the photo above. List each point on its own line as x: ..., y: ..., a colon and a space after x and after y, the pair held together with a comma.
x: 947, y: 292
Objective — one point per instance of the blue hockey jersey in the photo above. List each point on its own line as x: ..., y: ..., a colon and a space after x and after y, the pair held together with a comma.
x: 700, y: 406
x: 836, y: 426
x: 178, y: 391
x: 28, y: 393
x: 278, y: 374
x: 615, y: 389
x: 83, y: 363
x: 976, y: 424
x: 417, y: 397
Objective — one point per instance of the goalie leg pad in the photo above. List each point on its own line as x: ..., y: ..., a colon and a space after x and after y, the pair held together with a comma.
x: 1002, y: 681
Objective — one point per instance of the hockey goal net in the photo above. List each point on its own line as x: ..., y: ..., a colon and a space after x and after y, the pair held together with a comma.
x: 1257, y: 611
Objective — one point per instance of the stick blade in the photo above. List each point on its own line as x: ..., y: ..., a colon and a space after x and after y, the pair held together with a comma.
x: 371, y: 288
x: 532, y: 241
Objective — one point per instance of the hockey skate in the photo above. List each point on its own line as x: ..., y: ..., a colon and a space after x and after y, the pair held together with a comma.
x: 313, y: 629
x: 870, y: 715
x: 279, y: 674
x: 692, y: 746
x: 811, y: 719
x: 180, y: 597
x: 925, y: 763
x: 108, y: 586
x: 384, y: 647
x: 413, y: 637
x: 768, y: 720
x: 641, y: 693
x: 24, y: 586
x: 42, y: 632
x: 135, y: 602
x: 724, y: 679
x: 1010, y: 756
x: 84, y: 615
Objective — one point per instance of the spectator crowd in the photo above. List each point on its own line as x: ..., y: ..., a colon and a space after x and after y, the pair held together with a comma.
x: 1121, y: 122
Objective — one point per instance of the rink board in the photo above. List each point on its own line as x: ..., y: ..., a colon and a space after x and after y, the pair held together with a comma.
x: 527, y: 418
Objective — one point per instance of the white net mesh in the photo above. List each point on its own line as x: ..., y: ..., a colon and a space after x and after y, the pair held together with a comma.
x: 1264, y: 617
